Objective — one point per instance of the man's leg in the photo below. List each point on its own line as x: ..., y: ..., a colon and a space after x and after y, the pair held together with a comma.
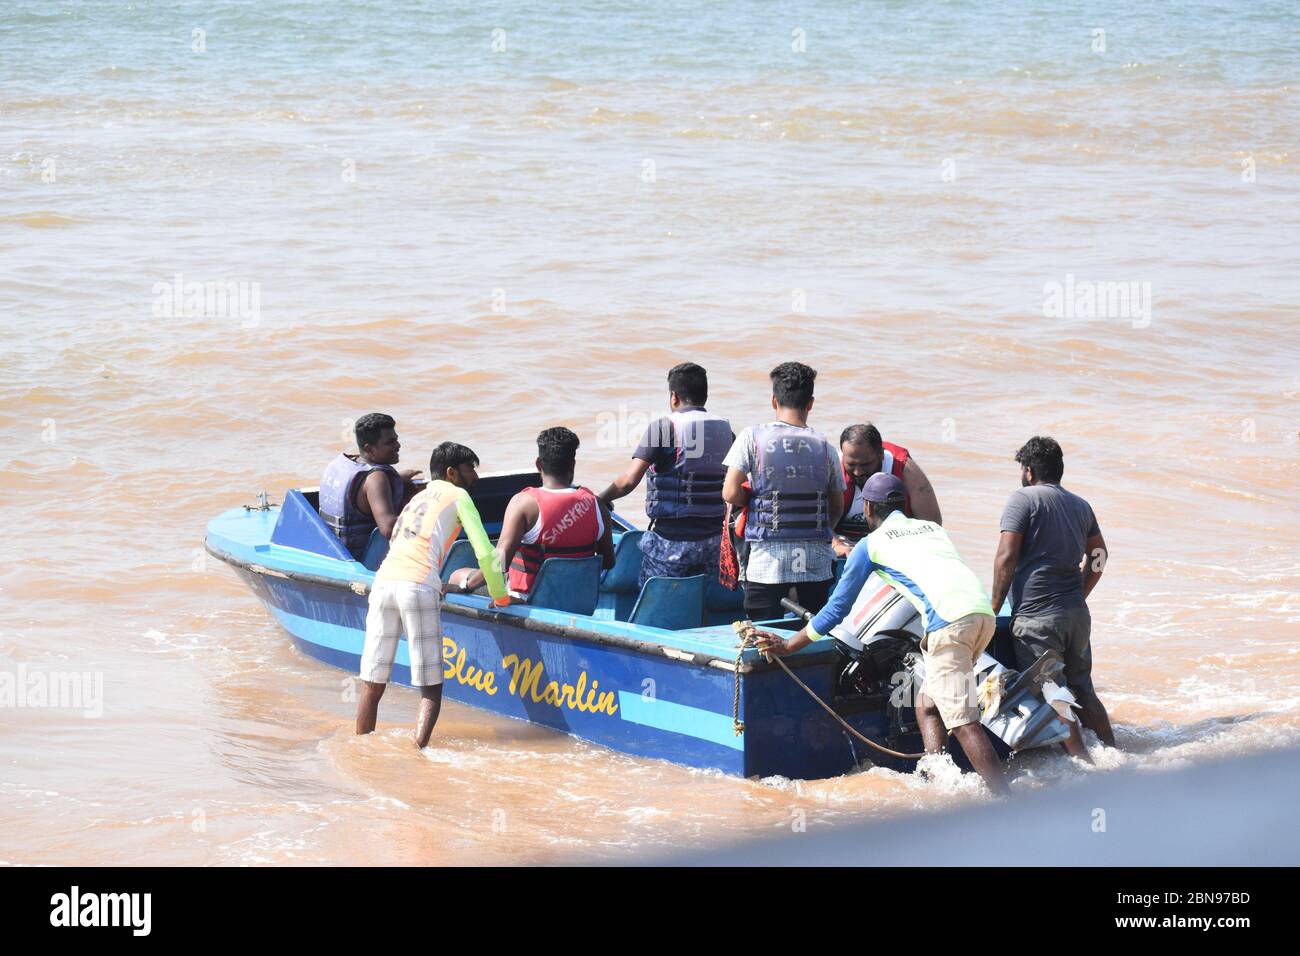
x: 1035, y: 636
x: 950, y: 654
x: 933, y: 733
x: 1078, y: 674
x: 813, y: 595
x: 654, y: 558
x: 430, y: 707
x: 383, y: 629
x: 422, y: 622
x: 1092, y: 713
x: 763, y: 601
x: 368, y: 706
x: 701, y: 557
x: 979, y: 751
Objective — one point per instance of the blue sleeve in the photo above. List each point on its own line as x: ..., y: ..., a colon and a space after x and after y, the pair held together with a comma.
x: 856, y: 570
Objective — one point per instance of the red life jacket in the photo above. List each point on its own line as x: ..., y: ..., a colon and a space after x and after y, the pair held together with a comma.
x: 901, y: 455
x: 570, y: 528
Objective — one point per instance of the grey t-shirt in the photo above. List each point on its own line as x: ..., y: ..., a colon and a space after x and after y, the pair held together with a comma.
x: 1057, y: 525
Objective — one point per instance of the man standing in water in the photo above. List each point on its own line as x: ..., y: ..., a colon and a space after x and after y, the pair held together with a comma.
x: 1050, y: 556
x: 919, y: 560
x: 362, y: 492
x: 864, y: 453
x: 796, y: 498
x: 407, y: 594
x: 683, y: 453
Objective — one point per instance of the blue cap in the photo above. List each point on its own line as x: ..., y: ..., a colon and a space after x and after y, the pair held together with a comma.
x: 884, y: 488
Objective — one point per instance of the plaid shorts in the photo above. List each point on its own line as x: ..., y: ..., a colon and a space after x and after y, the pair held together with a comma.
x: 400, y: 608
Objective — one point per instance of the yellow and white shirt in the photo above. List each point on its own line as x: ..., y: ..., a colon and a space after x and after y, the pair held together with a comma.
x: 425, y: 532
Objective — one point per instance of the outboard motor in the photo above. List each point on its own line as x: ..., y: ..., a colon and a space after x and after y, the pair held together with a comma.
x: 880, y: 641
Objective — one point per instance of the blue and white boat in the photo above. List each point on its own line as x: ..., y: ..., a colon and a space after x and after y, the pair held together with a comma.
x: 647, y: 671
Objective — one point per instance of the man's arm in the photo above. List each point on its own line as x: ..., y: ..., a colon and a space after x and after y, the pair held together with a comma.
x: 622, y: 486
x: 834, y: 502
x: 519, y: 517
x: 1004, y: 566
x: 489, y: 570
x: 605, y: 546
x: 379, y: 496
x: 732, y: 492
x: 834, y: 489
x: 1094, y: 562
x: 851, y: 583
x: 925, y: 503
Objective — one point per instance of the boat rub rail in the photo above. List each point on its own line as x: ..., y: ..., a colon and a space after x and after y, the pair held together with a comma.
x: 465, y: 607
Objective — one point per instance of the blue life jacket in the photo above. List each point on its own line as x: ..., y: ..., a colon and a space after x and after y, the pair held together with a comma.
x: 692, y: 487
x: 787, y: 500
x: 338, y: 507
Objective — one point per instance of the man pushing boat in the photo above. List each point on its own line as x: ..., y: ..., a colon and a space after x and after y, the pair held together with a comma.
x: 919, y: 559
x: 407, y: 594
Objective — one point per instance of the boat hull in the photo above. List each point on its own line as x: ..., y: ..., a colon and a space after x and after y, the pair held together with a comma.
x: 637, y: 700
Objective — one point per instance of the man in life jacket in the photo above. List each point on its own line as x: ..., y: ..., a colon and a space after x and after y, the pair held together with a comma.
x: 362, y: 492
x: 406, y: 597
x: 864, y: 454
x: 919, y: 560
x: 682, y: 452
x: 796, y: 498
x: 557, y: 520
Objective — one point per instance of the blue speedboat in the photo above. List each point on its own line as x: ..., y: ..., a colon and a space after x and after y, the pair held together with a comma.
x: 647, y: 671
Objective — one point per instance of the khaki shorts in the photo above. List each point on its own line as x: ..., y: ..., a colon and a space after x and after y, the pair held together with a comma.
x: 950, y: 654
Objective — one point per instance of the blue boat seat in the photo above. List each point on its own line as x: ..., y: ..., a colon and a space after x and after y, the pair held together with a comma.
x: 376, y: 551
x: 673, y: 604
x: 460, y: 555
x: 567, y: 584
x: 621, y: 585
x: 723, y: 606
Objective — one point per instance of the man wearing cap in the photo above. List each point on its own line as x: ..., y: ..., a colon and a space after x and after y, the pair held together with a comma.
x: 918, y: 558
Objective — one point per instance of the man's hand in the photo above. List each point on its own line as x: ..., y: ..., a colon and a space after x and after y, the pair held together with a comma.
x: 842, y: 547
x: 409, y: 473
x: 770, y: 643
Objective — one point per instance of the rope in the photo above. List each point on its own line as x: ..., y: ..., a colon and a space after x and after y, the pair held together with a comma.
x: 745, y: 630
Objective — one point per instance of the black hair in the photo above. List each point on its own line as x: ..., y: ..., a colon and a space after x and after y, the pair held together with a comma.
x: 690, y: 382
x: 792, y: 384
x: 558, y: 450
x: 370, y: 428
x: 1043, y: 457
x: 864, y: 434
x: 883, y: 509
x: 450, y: 454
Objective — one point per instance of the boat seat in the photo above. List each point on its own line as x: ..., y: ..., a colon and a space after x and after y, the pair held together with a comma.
x: 723, y: 606
x: 376, y: 551
x: 673, y: 604
x: 567, y: 584
x: 460, y: 555
x: 621, y: 585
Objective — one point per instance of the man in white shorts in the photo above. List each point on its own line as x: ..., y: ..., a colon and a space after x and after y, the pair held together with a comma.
x: 406, y: 597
